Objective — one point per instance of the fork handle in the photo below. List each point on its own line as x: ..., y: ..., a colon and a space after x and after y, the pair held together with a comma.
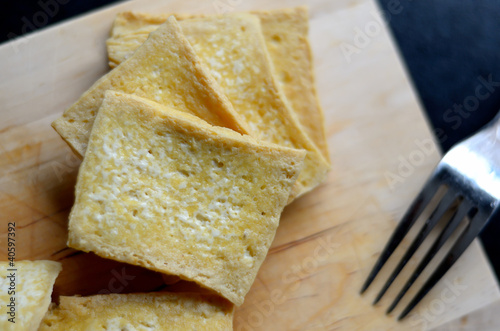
x: 492, y: 128
x: 495, y: 124
x: 487, y: 142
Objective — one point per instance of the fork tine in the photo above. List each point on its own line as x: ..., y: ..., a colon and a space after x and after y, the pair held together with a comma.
x: 445, y: 234
x: 444, y: 205
x: 411, y: 215
x: 470, y: 233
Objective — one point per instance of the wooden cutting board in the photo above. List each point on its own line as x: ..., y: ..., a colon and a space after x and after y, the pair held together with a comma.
x: 381, y: 149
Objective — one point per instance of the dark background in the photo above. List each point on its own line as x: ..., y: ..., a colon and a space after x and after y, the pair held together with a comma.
x: 450, y: 47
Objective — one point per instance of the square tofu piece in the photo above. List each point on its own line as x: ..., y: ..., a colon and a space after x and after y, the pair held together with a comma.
x: 286, y: 34
x: 164, y: 69
x: 32, y: 288
x: 165, y: 190
x: 141, y: 311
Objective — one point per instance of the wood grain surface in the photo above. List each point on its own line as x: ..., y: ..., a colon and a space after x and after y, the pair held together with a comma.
x: 380, y: 146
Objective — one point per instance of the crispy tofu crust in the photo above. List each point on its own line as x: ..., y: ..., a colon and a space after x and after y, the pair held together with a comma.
x: 34, y: 281
x: 234, y: 50
x: 167, y: 191
x: 286, y: 36
x: 164, y: 69
x: 141, y: 311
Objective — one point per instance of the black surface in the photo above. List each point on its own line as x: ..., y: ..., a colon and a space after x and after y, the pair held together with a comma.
x: 23, y: 16
x: 449, y: 46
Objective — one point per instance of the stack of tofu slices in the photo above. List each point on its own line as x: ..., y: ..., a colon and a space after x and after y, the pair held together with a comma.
x: 205, y: 129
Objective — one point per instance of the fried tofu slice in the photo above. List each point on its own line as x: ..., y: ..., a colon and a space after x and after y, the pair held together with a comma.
x: 164, y: 69
x: 286, y: 36
x: 286, y: 33
x: 131, y: 30
x: 130, y: 22
x: 234, y: 50
x: 141, y: 311
x: 167, y: 191
x: 30, y: 284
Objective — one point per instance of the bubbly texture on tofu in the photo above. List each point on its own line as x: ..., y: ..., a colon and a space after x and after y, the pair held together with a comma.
x: 33, y: 288
x: 165, y: 190
x: 285, y: 33
x: 131, y: 29
x: 164, y: 69
x: 141, y: 312
x: 234, y: 50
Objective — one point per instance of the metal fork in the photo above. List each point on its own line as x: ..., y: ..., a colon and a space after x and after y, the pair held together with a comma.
x: 471, y: 173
